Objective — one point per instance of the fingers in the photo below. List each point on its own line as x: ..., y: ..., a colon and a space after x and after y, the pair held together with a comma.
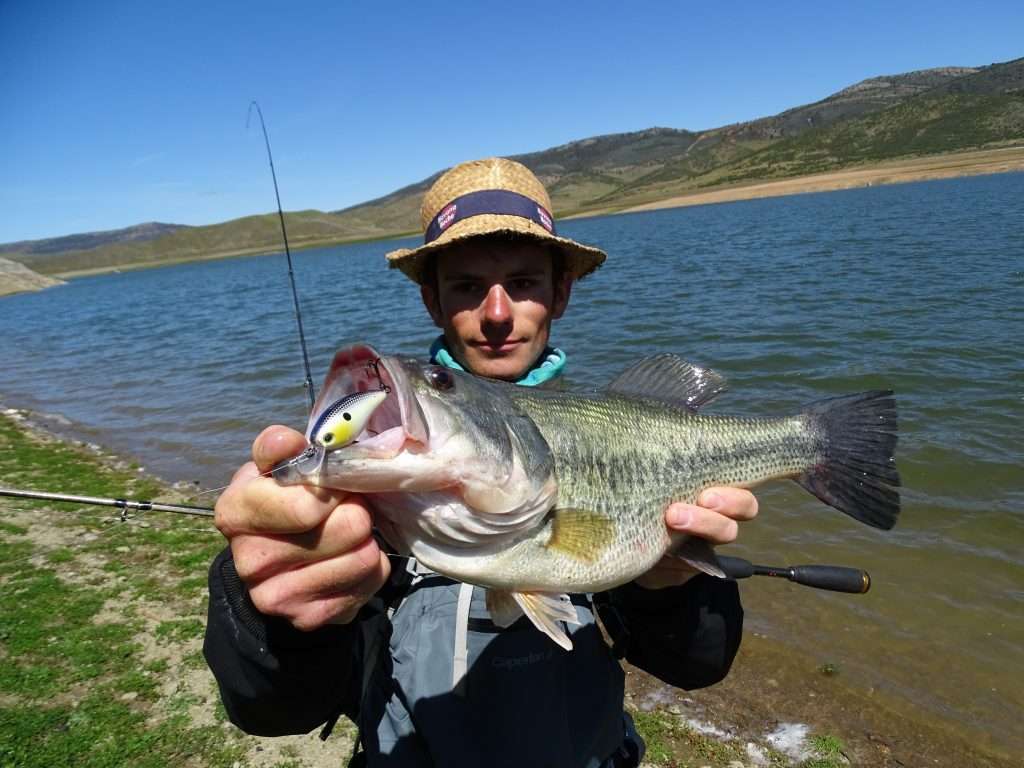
x: 260, y: 556
x: 716, y: 517
x: 256, y: 503
x: 328, y: 591
x: 275, y: 444
x: 306, y: 554
x: 253, y: 503
x: 737, y: 503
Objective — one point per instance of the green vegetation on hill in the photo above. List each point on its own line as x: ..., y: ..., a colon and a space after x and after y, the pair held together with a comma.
x: 896, y: 116
x: 138, y: 233
x: 922, y: 126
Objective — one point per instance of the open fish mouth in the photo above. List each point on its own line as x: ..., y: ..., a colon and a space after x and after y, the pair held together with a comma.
x: 394, y: 423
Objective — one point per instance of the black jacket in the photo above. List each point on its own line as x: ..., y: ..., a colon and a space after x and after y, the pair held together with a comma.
x: 276, y: 680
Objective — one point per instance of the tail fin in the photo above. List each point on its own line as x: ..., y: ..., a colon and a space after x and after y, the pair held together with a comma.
x: 857, y: 472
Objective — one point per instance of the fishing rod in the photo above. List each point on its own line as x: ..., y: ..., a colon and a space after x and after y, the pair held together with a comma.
x: 125, y: 505
x: 834, y: 578
x: 831, y: 577
x: 308, y: 383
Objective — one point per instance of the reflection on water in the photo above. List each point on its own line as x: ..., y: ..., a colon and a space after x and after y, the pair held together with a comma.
x: 917, y: 287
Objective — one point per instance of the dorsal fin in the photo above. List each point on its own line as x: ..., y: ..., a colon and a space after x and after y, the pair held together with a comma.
x: 670, y: 379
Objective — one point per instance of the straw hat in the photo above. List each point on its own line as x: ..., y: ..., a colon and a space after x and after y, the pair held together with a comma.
x: 488, y: 197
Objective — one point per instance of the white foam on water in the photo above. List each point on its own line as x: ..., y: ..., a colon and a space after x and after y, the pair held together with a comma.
x: 791, y: 740
x: 756, y: 754
x: 704, y: 728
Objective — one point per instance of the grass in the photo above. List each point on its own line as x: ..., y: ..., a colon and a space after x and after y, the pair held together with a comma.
x: 673, y: 743
x: 829, y: 752
x: 101, y: 622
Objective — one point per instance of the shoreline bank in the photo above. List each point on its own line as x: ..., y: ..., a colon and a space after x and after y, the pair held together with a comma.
x: 953, y: 165
x: 776, y: 708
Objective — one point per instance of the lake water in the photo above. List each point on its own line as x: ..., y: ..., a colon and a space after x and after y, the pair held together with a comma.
x: 917, y: 287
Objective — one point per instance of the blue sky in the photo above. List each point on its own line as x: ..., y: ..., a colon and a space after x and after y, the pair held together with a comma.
x: 115, y: 113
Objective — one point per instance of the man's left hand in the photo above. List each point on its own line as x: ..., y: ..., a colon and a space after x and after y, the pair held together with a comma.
x: 715, y: 517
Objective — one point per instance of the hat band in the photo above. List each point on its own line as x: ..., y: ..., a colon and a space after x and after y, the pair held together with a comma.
x: 488, y: 201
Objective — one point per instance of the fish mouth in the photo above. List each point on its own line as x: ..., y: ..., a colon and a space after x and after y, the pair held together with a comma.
x: 397, y: 424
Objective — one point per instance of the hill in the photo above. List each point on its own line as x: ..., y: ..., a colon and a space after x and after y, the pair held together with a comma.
x: 909, y: 115
x: 138, y: 233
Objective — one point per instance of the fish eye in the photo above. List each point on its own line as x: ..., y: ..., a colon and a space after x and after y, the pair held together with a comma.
x: 440, y: 378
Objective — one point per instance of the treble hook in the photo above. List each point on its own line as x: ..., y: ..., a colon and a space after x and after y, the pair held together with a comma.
x: 374, y: 366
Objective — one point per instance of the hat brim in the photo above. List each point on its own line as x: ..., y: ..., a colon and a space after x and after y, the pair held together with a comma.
x: 580, y: 260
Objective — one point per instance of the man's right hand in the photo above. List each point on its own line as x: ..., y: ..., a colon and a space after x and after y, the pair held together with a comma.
x: 304, y: 553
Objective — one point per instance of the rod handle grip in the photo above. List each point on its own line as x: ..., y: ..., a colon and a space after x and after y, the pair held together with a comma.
x: 736, y: 567
x: 832, y: 577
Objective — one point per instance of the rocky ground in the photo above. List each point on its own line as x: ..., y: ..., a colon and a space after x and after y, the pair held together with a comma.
x: 17, y: 278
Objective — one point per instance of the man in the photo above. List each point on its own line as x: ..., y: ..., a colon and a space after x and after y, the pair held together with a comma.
x: 309, y: 619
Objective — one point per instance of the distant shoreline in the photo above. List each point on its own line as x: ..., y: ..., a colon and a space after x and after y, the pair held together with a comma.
x: 303, y: 245
x: 947, y: 166
x: 950, y: 165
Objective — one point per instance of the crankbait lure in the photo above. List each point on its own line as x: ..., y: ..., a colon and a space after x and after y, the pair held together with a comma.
x: 342, y: 422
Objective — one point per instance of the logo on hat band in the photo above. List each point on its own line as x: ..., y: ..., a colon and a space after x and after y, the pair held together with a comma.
x: 488, y: 201
x: 447, y: 216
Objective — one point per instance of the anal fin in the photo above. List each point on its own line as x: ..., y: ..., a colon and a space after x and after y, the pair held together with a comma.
x: 545, y: 610
x: 699, y: 554
x: 503, y: 607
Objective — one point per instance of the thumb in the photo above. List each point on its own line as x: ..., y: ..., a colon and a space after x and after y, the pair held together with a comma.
x: 275, y: 444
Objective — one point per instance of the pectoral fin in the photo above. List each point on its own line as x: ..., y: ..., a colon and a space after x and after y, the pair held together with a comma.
x: 581, y: 534
x: 545, y: 610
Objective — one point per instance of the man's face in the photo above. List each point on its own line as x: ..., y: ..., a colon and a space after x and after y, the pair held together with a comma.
x: 495, y: 301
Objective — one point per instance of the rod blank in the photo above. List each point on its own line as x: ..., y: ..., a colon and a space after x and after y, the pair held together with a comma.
x: 126, y: 504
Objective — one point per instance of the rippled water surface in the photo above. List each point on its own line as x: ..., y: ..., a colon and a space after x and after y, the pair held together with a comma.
x: 916, y: 287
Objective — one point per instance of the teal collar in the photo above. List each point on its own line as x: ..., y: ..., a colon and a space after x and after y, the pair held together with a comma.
x: 550, y: 365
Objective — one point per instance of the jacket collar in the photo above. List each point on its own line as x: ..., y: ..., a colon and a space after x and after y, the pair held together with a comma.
x: 548, y: 367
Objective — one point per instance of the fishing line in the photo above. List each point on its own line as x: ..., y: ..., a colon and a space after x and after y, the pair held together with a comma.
x: 291, y: 273
x: 373, y: 366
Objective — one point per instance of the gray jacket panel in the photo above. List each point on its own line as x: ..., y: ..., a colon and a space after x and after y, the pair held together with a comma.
x: 523, y: 701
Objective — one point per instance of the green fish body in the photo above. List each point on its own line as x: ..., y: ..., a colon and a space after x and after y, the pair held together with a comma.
x: 536, y: 493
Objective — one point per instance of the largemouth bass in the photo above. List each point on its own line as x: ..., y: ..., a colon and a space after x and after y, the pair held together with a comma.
x: 535, y: 493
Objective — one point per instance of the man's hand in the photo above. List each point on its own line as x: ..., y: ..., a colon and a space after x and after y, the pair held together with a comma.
x: 305, y: 553
x: 716, y: 519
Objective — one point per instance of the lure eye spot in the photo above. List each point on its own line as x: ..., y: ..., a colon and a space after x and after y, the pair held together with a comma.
x: 328, y: 438
x: 346, y: 416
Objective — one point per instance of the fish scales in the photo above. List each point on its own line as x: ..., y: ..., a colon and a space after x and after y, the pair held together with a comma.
x: 607, y: 462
